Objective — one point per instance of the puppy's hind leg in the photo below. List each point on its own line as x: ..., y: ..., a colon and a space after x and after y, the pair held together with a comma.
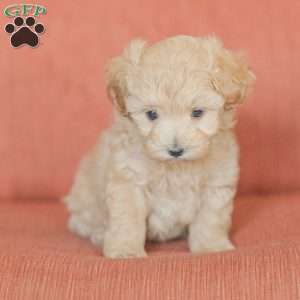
x: 77, y: 225
x: 86, y: 219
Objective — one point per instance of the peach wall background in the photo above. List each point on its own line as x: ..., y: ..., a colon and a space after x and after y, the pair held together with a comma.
x: 53, y: 102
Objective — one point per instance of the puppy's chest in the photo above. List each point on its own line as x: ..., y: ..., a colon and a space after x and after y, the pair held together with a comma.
x: 175, y: 195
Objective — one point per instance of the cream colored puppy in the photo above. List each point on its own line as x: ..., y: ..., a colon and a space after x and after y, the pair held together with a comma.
x: 168, y: 167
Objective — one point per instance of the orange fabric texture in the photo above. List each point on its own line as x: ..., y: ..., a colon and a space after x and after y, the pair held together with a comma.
x: 40, y: 259
x: 53, y: 106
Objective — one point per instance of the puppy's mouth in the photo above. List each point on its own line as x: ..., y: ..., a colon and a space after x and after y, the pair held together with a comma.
x: 175, y: 155
x: 177, y: 152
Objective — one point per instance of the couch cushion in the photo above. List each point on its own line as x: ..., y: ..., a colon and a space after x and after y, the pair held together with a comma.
x: 53, y: 100
x: 40, y: 259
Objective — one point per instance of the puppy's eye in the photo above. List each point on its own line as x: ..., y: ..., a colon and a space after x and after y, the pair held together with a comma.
x: 152, y: 115
x: 197, y: 113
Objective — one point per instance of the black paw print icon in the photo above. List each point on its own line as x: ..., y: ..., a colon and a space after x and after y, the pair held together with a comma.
x: 24, y: 33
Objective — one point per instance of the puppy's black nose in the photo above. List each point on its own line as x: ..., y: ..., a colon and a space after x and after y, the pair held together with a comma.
x: 176, y: 152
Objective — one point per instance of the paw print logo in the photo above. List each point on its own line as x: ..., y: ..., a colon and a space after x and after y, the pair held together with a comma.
x: 24, y: 32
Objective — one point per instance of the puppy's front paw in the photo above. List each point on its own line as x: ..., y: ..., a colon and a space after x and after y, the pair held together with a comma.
x: 115, y: 247
x: 120, y: 253
x: 202, y: 247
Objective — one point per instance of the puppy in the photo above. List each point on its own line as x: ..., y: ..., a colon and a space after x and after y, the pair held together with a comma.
x: 168, y: 167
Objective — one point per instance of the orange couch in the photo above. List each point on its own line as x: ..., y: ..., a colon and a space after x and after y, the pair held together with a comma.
x: 53, y: 106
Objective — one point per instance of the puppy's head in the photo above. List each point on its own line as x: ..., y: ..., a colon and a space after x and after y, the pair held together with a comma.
x: 179, y: 93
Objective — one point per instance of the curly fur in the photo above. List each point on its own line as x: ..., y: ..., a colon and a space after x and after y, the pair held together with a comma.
x: 129, y: 188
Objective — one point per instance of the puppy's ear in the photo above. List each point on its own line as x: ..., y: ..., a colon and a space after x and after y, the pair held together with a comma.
x: 231, y: 75
x: 118, y: 71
